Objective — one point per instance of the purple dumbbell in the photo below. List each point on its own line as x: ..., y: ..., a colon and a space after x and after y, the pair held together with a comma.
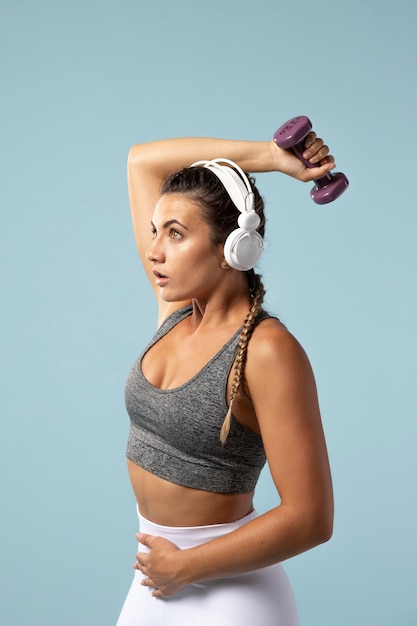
x: 292, y: 135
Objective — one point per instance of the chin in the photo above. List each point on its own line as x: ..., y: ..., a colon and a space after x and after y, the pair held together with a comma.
x: 174, y: 298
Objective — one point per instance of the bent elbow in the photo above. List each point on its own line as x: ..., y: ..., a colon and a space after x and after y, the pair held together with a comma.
x: 134, y: 156
x: 322, y: 529
x: 326, y: 533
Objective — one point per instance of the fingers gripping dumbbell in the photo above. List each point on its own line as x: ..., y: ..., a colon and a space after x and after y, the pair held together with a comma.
x: 292, y: 135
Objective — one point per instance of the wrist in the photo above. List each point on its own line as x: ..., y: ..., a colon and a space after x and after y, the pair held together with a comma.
x: 262, y: 156
x: 191, y: 567
x: 277, y: 157
x: 188, y: 573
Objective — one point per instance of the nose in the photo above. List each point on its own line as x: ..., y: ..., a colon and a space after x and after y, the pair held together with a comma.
x: 154, y: 252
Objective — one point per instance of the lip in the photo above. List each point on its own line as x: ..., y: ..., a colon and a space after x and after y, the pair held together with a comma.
x: 160, y: 279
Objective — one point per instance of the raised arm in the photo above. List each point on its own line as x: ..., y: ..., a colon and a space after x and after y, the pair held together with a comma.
x: 149, y: 164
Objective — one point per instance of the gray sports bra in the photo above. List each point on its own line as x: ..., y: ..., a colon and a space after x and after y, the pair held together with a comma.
x: 174, y: 433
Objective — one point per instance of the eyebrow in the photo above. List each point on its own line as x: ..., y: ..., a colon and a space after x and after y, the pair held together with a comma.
x: 169, y: 223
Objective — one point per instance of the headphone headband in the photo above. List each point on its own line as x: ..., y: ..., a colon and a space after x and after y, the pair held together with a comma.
x: 243, y: 247
x: 234, y: 180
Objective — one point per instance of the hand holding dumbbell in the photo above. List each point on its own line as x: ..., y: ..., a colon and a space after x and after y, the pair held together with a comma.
x: 292, y: 135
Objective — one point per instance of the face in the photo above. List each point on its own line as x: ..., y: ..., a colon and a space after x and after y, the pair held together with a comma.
x: 186, y: 265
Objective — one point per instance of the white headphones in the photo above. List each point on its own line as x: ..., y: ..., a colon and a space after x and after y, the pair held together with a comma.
x: 244, y: 246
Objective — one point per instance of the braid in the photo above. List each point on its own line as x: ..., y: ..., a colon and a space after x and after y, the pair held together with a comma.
x: 257, y: 292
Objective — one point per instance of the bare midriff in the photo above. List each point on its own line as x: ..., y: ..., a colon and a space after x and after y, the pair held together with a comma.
x: 169, y: 504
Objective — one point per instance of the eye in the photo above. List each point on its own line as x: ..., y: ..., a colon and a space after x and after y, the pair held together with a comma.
x: 174, y: 234
x: 153, y: 231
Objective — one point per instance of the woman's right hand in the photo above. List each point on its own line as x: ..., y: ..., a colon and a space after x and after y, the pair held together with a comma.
x: 316, y: 151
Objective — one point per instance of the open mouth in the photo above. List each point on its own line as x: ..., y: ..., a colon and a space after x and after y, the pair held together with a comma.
x: 160, y: 278
x: 158, y: 274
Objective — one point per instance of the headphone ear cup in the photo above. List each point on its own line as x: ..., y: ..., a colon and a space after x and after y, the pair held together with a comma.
x: 243, y: 249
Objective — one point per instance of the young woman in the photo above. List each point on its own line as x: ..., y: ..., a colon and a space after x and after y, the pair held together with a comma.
x: 222, y: 387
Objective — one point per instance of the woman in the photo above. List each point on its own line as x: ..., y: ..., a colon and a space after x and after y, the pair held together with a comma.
x: 221, y: 387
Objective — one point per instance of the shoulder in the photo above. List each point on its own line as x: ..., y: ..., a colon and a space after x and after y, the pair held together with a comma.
x: 279, y: 378
x: 273, y: 348
x: 270, y: 336
x: 174, y: 316
x: 167, y: 311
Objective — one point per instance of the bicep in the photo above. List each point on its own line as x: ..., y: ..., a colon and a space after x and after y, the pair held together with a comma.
x: 146, y: 171
x: 284, y: 397
x: 144, y: 191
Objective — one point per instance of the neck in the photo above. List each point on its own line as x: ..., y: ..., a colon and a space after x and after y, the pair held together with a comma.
x: 229, y: 304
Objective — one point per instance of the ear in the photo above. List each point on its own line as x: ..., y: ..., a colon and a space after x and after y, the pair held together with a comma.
x: 219, y: 252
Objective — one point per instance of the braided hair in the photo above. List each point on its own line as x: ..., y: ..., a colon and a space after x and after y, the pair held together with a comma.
x: 220, y: 213
x: 257, y: 295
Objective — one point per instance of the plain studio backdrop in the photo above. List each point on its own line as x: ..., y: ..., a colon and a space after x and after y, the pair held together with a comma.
x: 82, y: 81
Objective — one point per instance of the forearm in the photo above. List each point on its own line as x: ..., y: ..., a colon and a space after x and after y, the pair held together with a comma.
x: 168, y: 155
x: 271, y: 538
x: 154, y: 161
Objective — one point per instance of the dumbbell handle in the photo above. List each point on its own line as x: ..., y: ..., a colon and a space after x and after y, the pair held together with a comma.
x: 291, y: 135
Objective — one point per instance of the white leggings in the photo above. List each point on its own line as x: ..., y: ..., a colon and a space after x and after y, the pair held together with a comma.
x: 263, y: 597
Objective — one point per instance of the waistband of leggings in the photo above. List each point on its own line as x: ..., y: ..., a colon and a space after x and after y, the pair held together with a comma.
x: 189, y: 536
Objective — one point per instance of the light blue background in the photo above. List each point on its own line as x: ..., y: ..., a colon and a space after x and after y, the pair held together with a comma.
x: 83, y: 80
